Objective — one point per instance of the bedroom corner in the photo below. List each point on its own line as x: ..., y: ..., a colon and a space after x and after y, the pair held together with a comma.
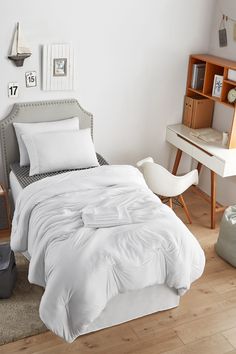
x: 117, y: 177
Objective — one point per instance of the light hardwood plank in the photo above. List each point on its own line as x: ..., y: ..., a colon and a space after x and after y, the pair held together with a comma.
x: 230, y: 335
x: 207, y: 326
x: 30, y: 344
x: 212, y: 345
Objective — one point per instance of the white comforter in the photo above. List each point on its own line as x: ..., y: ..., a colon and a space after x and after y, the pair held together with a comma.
x: 133, y: 241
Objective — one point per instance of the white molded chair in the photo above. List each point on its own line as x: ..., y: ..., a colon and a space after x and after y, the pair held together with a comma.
x: 165, y: 184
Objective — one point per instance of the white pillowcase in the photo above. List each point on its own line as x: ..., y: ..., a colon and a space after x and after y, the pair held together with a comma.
x: 34, y: 128
x: 56, y: 151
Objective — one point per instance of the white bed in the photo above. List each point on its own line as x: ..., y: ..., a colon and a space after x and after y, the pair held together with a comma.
x: 124, y: 306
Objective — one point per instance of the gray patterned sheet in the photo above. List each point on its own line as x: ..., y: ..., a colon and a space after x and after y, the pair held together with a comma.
x: 22, y: 173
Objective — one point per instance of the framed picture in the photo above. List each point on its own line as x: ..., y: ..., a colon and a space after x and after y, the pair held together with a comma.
x: 59, y: 67
x: 217, y: 85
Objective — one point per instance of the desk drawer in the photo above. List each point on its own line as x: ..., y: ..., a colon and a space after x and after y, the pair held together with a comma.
x: 181, y: 144
x: 212, y: 162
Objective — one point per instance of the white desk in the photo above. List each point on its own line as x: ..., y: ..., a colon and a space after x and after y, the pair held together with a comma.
x: 218, y: 159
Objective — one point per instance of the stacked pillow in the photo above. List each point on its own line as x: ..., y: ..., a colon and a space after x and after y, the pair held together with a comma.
x: 55, y: 146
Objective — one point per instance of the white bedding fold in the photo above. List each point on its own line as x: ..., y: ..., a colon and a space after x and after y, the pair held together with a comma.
x: 105, y: 217
x: 94, y: 234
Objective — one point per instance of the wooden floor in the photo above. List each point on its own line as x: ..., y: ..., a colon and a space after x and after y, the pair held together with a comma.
x: 204, y: 323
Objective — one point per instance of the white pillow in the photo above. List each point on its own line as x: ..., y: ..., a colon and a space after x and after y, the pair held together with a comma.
x: 55, y: 151
x: 34, y: 128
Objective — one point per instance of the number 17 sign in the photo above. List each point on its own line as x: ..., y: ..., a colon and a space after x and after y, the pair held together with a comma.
x: 13, y: 89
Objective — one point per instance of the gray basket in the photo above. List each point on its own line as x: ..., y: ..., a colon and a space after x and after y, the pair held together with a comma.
x: 226, y: 243
x: 7, y: 271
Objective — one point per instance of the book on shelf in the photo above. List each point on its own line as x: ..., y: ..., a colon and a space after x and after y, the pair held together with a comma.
x: 198, y: 76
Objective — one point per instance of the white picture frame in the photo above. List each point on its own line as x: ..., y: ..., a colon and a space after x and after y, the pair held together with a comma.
x: 217, y: 86
x: 58, y: 67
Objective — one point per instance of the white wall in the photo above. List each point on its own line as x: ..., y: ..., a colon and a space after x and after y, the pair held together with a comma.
x: 131, y: 63
x: 226, y: 187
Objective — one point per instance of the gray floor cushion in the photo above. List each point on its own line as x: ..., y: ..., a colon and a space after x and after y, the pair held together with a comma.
x: 226, y: 243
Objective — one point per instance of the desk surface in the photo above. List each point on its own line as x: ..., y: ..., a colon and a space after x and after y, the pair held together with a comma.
x: 215, y: 149
x: 213, y: 155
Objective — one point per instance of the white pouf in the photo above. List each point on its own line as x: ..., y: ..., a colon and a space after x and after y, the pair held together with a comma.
x: 226, y: 243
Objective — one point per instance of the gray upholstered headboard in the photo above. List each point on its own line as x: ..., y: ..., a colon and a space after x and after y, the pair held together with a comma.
x: 32, y: 112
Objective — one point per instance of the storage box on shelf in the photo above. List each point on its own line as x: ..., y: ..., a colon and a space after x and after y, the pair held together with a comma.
x: 198, y: 112
x: 213, y: 66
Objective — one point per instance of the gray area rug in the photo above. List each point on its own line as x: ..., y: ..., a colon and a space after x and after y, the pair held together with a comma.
x: 19, y: 315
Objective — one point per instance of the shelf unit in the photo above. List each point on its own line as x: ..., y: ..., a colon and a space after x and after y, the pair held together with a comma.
x: 214, y: 66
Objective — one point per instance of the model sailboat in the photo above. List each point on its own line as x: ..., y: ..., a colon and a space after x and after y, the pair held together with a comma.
x: 19, y: 50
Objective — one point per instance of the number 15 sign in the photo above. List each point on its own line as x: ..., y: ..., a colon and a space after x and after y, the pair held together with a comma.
x: 31, y: 79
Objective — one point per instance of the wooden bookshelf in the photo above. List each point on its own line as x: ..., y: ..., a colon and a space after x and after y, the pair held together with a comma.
x: 214, y: 66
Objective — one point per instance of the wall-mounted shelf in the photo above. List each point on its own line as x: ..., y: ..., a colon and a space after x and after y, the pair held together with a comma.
x: 214, y: 66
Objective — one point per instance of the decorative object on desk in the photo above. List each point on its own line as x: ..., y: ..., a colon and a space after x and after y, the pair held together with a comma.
x: 232, y: 95
x: 19, y: 50
x: 198, y: 73
x: 217, y: 85
x: 225, y: 138
x: 58, y: 67
x: 223, y: 32
x: 13, y: 89
x: 198, y: 112
x: 31, y: 79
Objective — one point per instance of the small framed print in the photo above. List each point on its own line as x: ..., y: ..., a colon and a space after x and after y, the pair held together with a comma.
x: 217, y: 86
x: 31, y: 79
x: 60, y: 67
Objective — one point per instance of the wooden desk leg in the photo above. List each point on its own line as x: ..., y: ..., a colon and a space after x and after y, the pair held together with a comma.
x: 213, y: 199
x: 177, y: 161
x: 199, y: 167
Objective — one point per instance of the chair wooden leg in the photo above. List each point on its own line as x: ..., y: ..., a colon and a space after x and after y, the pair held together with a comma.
x: 185, y: 208
x: 171, y: 203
